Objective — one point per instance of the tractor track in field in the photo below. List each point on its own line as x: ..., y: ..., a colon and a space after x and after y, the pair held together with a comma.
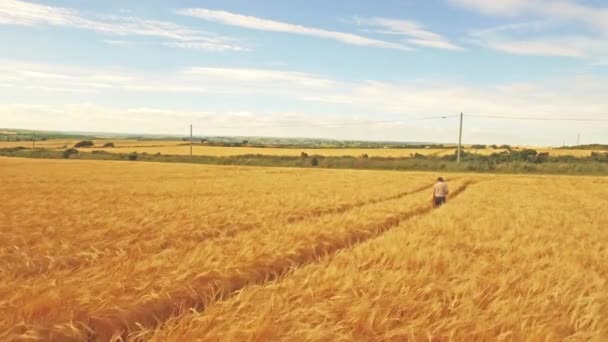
x: 215, y: 286
x: 46, y: 264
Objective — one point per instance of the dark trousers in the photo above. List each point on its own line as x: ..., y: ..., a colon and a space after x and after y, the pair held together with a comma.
x: 439, y: 201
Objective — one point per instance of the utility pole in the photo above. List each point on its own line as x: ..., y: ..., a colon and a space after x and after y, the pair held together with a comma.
x: 459, y: 140
x: 578, y: 140
x: 190, y: 142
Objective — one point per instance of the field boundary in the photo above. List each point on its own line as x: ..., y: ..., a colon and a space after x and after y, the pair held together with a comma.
x: 215, y: 286
x: 561, y: 165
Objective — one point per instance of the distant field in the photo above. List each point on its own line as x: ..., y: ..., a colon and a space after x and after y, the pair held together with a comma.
x: 181, y: 148
x: 67, y: 143
x: 235, y: 151
x: 91, y: 250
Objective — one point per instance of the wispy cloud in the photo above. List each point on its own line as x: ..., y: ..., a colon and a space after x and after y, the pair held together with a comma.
x: 16, y: 12
x: 261, y: 24
x: 30, y: 77
x: 536, y: 38
x: 596, y: 17
x: 260, y: 76
x: 415, y: 33
x: 544, y: 36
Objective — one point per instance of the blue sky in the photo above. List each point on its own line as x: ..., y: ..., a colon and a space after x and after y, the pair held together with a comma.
x: 381, y: 70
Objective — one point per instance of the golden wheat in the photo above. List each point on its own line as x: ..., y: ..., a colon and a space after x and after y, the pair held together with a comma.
x: 514, y: 258
x: 137, y: 232
x: 95, y: 250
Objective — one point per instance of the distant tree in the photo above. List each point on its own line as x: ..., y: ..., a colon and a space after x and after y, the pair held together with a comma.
x: 84, y: 143
x: 132, y: 156
x: 304, y: 155
x: 314, y: 162
x: 494, y: 147
x: 364, y: 156
x: 505, y: 147
x: 108, y: 145
x: 67, y: 154
x: 542, y: 157
x: 418, y: 156
x: 478, y: 147
x: 600, y: 156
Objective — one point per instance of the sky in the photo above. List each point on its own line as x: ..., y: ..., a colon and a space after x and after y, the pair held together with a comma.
x: 529, y: 72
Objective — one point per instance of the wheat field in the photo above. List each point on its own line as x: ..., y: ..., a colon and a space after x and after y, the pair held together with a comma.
x: 169, y: 147
x: 101, y: 250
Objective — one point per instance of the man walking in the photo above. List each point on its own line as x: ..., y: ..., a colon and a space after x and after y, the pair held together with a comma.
x: 440, y: 192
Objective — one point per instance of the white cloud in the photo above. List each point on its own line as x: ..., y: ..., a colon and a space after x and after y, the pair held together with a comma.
x: 194, y: 80
x: 571, y: 10
x: 94, y: 118
x: 259, y: 76
x: 543, y: 37
x: 17, y: 12
x: 207, y: 46
x: 270, y: 102
x: 261, y: 24
x: 535, y: 38
x: 417, y: 35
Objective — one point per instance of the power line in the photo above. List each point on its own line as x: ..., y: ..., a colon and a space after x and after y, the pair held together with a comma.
x: 537, y: 118
x: 337, y: 124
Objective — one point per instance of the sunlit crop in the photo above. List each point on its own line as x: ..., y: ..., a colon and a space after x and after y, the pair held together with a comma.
x: 168, y: 252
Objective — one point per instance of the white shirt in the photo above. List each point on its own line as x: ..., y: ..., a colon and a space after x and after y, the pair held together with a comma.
x: 441, y: 189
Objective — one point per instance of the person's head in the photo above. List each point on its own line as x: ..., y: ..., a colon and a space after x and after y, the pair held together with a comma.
x: 440, y: 179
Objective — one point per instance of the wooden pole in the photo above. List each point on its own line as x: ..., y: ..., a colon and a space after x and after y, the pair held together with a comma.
x: 459, y: 140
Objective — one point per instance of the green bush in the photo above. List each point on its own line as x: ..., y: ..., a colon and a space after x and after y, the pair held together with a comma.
x: 84, y: 143
x: 67, y: 154
x: 601, y: 157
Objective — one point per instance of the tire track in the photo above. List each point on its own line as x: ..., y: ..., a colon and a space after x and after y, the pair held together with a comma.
x: 302, y: 216
x: 215, y: 286
x: 45, y: 264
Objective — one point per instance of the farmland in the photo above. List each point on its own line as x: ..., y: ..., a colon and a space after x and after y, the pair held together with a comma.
x: 173, y: 147
x: 178, y: 252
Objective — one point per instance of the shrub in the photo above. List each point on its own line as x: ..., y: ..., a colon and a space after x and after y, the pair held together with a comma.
x: 14, y: 149
x: 69, y: 153
x: 364, y: 156
x: 132, y: 156
x: 542, y: 157
x: 314, y: 162
x: 600, y: 157
x: 108, y: 145
x: 478, y: 147
x: 418, y: 156
x: 304, y: 155
x: 84, y: 143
